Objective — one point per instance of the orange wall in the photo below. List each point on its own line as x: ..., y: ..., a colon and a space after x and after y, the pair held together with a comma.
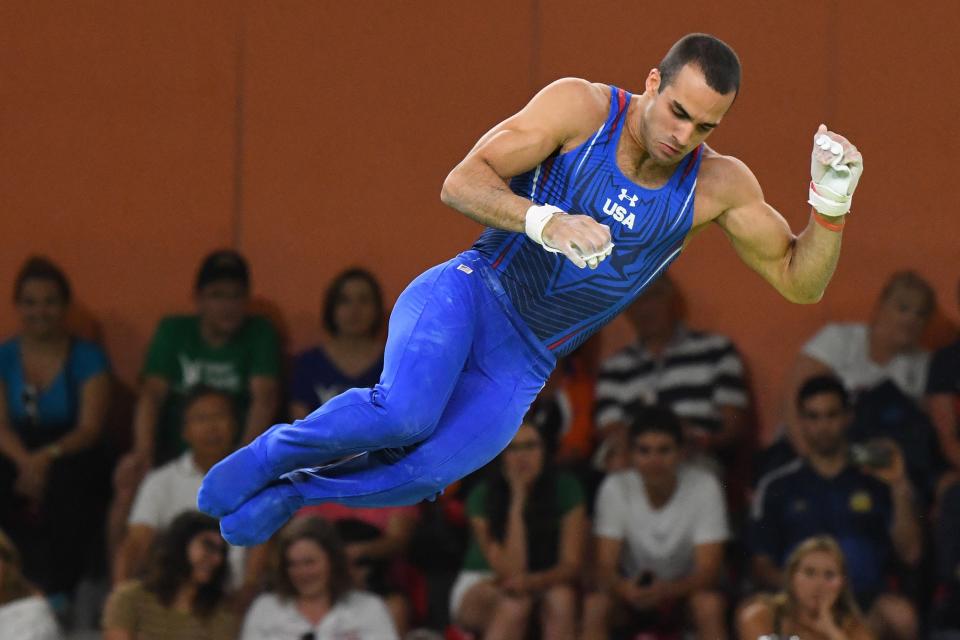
x: 312, y: 135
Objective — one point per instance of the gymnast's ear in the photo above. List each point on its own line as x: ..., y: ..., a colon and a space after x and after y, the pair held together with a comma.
x: 652, y: 83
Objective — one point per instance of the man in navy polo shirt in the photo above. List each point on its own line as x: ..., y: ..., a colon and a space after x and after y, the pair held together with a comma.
x: 868, y: 509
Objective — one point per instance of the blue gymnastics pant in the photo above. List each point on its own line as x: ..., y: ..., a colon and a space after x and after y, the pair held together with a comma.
x: 460, y: 371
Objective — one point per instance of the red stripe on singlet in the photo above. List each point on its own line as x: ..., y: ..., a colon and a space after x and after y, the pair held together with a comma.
x: 503, y: 254
x: 693, y: 161
x: 621, y: 101
x: 559, y: 342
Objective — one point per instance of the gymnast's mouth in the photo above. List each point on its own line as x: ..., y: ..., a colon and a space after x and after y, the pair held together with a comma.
x: 671, y: 150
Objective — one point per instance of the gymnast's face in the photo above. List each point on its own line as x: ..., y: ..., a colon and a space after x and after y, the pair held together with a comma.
x: 679, y: 116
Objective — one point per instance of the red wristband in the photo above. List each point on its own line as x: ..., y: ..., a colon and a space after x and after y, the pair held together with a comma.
x: 832, y: 226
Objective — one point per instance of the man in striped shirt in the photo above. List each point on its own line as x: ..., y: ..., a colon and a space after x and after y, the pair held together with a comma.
x: 698, y: 375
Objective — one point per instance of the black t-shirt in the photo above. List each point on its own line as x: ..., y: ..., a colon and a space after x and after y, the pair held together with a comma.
x: 944, y: 374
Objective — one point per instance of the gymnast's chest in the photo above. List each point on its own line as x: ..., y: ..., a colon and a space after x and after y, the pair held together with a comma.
x: 632, y: 212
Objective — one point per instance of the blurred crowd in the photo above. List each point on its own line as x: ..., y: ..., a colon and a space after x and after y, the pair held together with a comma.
x: 635, y: 501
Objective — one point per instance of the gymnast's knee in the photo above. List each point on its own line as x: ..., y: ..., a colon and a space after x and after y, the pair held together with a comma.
x: 405, y: 421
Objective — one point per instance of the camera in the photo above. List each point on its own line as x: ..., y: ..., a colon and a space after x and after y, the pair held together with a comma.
x: 871, y: 454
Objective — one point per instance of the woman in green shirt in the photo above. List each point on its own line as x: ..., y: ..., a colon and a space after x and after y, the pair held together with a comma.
x: 528, y: 525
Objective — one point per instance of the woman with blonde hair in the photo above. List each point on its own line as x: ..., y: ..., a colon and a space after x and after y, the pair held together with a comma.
x: 816, y: 603
x: 24, y: 613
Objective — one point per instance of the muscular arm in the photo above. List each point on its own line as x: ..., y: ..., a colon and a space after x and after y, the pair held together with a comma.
x: 799, y: 267
x: 477, y: 187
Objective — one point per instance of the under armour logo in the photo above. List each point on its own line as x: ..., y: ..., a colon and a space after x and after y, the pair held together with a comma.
x: 632, y: 199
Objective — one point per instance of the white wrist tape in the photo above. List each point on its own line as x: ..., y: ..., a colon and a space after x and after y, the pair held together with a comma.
x: 828, y: 202
x: 834, y: 181
x: 537, y: 218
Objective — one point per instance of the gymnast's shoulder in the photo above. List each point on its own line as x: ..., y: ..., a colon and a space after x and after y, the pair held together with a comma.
x: 725, y: 180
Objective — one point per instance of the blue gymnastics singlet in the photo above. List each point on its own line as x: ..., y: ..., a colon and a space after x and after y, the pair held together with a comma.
x: 561, y: 304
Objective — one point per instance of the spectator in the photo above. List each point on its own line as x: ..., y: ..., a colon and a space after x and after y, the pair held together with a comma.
x: 864, y: 355
x: 353, y: 356
x: 698, y: 375
x: 943, y: 402
x: 313, y: 597
x: 184, y: 592
x: 222, y: 346
x: 867, y: 508
x: 24, y: 613
x: 528, y: 525
x: 376, y: 542
x: 54, y: 393
x: 660, y: 530
x: 815, y: 604
x: 209, y: 429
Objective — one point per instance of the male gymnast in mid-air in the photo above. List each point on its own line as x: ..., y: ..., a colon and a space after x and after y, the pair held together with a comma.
x: 588, y: 193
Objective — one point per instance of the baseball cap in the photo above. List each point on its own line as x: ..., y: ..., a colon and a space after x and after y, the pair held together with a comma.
x: 224, y: 264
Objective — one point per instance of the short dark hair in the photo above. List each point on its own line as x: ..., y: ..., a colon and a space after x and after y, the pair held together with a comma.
x: 822, y: 384
x: 199, y: 391
x: 321, y: 533
x: 41, y: 268
x: 169, y: 566
x: 654, y: 419
x: 223, y: 264
x: 714, y: 57
x: 335, y: 290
